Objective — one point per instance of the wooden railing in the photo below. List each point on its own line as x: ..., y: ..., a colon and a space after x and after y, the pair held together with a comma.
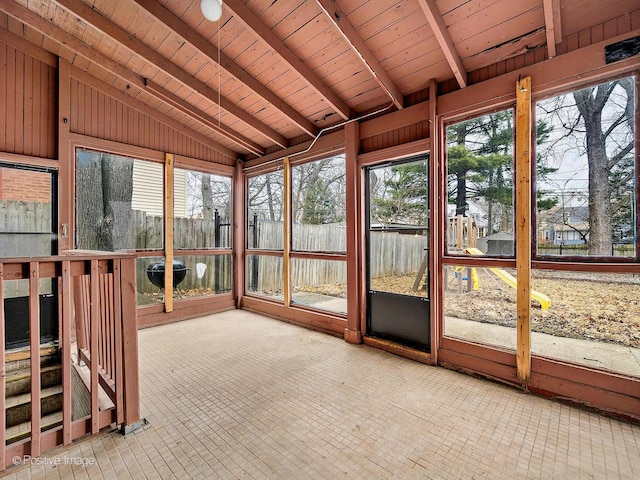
x: 97, y: 342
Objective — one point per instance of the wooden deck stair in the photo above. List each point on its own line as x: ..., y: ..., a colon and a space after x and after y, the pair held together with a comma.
x: 18, y: 395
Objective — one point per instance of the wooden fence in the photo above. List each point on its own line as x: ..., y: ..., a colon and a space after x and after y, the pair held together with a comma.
x: 392, y: 253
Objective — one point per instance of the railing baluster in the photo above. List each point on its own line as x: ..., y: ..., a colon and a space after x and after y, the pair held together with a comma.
x: 117, y: 344
x: 66, y: 352
x: 109, y: 332
x: 94, y: 327
x: 34, y: 345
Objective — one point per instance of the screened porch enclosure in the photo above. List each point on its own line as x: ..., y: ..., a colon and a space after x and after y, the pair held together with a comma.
x: 456, y: 182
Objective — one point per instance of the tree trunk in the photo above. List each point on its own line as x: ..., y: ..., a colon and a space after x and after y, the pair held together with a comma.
x: 600, y: 232
x: 117, y: 188
x: 207, y: 197
x: 461, y: 194
x: 89, y: 200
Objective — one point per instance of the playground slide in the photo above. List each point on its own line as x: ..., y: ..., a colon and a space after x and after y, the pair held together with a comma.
x: 510, y: 280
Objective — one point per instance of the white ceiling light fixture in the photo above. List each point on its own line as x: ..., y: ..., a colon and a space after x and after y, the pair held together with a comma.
x: 211, y: 9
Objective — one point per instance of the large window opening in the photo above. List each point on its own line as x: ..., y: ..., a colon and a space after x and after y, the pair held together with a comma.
x: 296, y: 235
x: 586, y: 174
x: 120, y: 204
x: 586, y: 211
x: 480, y: 186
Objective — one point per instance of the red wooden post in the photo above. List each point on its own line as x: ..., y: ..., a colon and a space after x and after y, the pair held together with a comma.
x: 129, y: 342
x: 34, y: 346
x: 93, y: 344
x: 2, y: 374
x: 117, y: 342
x: 66, y: 352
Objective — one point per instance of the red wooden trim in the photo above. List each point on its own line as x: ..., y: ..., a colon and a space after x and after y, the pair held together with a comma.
x: 492, y: 353
x: 119, y: 367
x: 397, y: 349
x: 29, y: 160
x: 66, y: 159
x: 599, y: 378
x: 204, y: 166
x: 204, y: 252
x: 151, y: 316
x: 66, y: 352
x: 353, y: 334
x: 315, y: 320
x: 587, y: 395
x: 267, y: 253
x: 3, y: 368
x: 395, y: 120
x: 319, y: 255
x: 435, y: 232
x: 109, y: 146
x: 94, y: 326
x: 393, y: 153
x: 34, y: 347
x: 130, y: 342
x: 239, y: 233
x: 477, y: 366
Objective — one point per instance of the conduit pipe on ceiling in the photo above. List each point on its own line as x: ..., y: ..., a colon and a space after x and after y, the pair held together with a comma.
x: 345, y: 122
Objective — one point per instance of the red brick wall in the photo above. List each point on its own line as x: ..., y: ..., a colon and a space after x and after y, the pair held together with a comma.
x: 26, y: 186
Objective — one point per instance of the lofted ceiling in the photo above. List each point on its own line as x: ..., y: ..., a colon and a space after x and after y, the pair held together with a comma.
x: 275, y: 71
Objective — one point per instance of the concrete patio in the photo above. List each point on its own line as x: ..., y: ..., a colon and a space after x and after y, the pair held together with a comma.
x: 238, y: 395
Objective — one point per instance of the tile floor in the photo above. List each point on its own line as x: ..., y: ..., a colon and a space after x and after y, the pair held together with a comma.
x: 240, y: 396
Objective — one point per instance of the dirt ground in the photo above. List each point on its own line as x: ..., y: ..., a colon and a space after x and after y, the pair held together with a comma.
x: 605, y: 308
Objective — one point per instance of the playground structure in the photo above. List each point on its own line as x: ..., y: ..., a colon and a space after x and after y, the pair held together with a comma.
x: 462, y: 234
x: 545, y: 301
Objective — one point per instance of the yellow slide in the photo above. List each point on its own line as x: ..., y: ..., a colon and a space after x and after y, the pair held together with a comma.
x: 510, y: 280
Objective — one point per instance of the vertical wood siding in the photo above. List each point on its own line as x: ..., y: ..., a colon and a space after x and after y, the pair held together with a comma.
x: 98, y: 115
x: 410, y: 133
x: 27, y: 94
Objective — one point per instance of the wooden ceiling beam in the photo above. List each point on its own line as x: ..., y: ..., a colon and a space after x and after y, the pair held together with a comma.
x: 148, y: 54
x: 188, y: 109
x: 441, y: 33
x: 263, y: 32
x: 350, y: 34
x: 211, y: 52
x: 87, y: 52
x: 552, y: 25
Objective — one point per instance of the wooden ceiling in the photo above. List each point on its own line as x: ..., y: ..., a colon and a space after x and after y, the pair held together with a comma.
x: 273, y: 72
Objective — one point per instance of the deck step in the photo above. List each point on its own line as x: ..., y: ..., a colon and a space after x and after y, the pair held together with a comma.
x: 18, y: 381
x: 18, y: 407
x: 23, y: 430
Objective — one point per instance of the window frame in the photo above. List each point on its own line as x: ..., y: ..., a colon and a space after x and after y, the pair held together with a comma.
x: 573, y: 262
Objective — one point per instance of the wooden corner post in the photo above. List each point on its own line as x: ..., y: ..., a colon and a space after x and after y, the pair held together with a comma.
x: 286, y: 254
x: 523, y: 227
x: 168, y: 232
x: 353, y: 332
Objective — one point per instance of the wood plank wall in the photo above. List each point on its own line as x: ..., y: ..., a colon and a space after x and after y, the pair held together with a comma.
x: 99, y: 115
x: 28, y: 96
x: 27, y: 93
x: 408, y: 134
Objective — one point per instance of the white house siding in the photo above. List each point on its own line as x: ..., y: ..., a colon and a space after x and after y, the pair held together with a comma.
x: 147, y: 189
